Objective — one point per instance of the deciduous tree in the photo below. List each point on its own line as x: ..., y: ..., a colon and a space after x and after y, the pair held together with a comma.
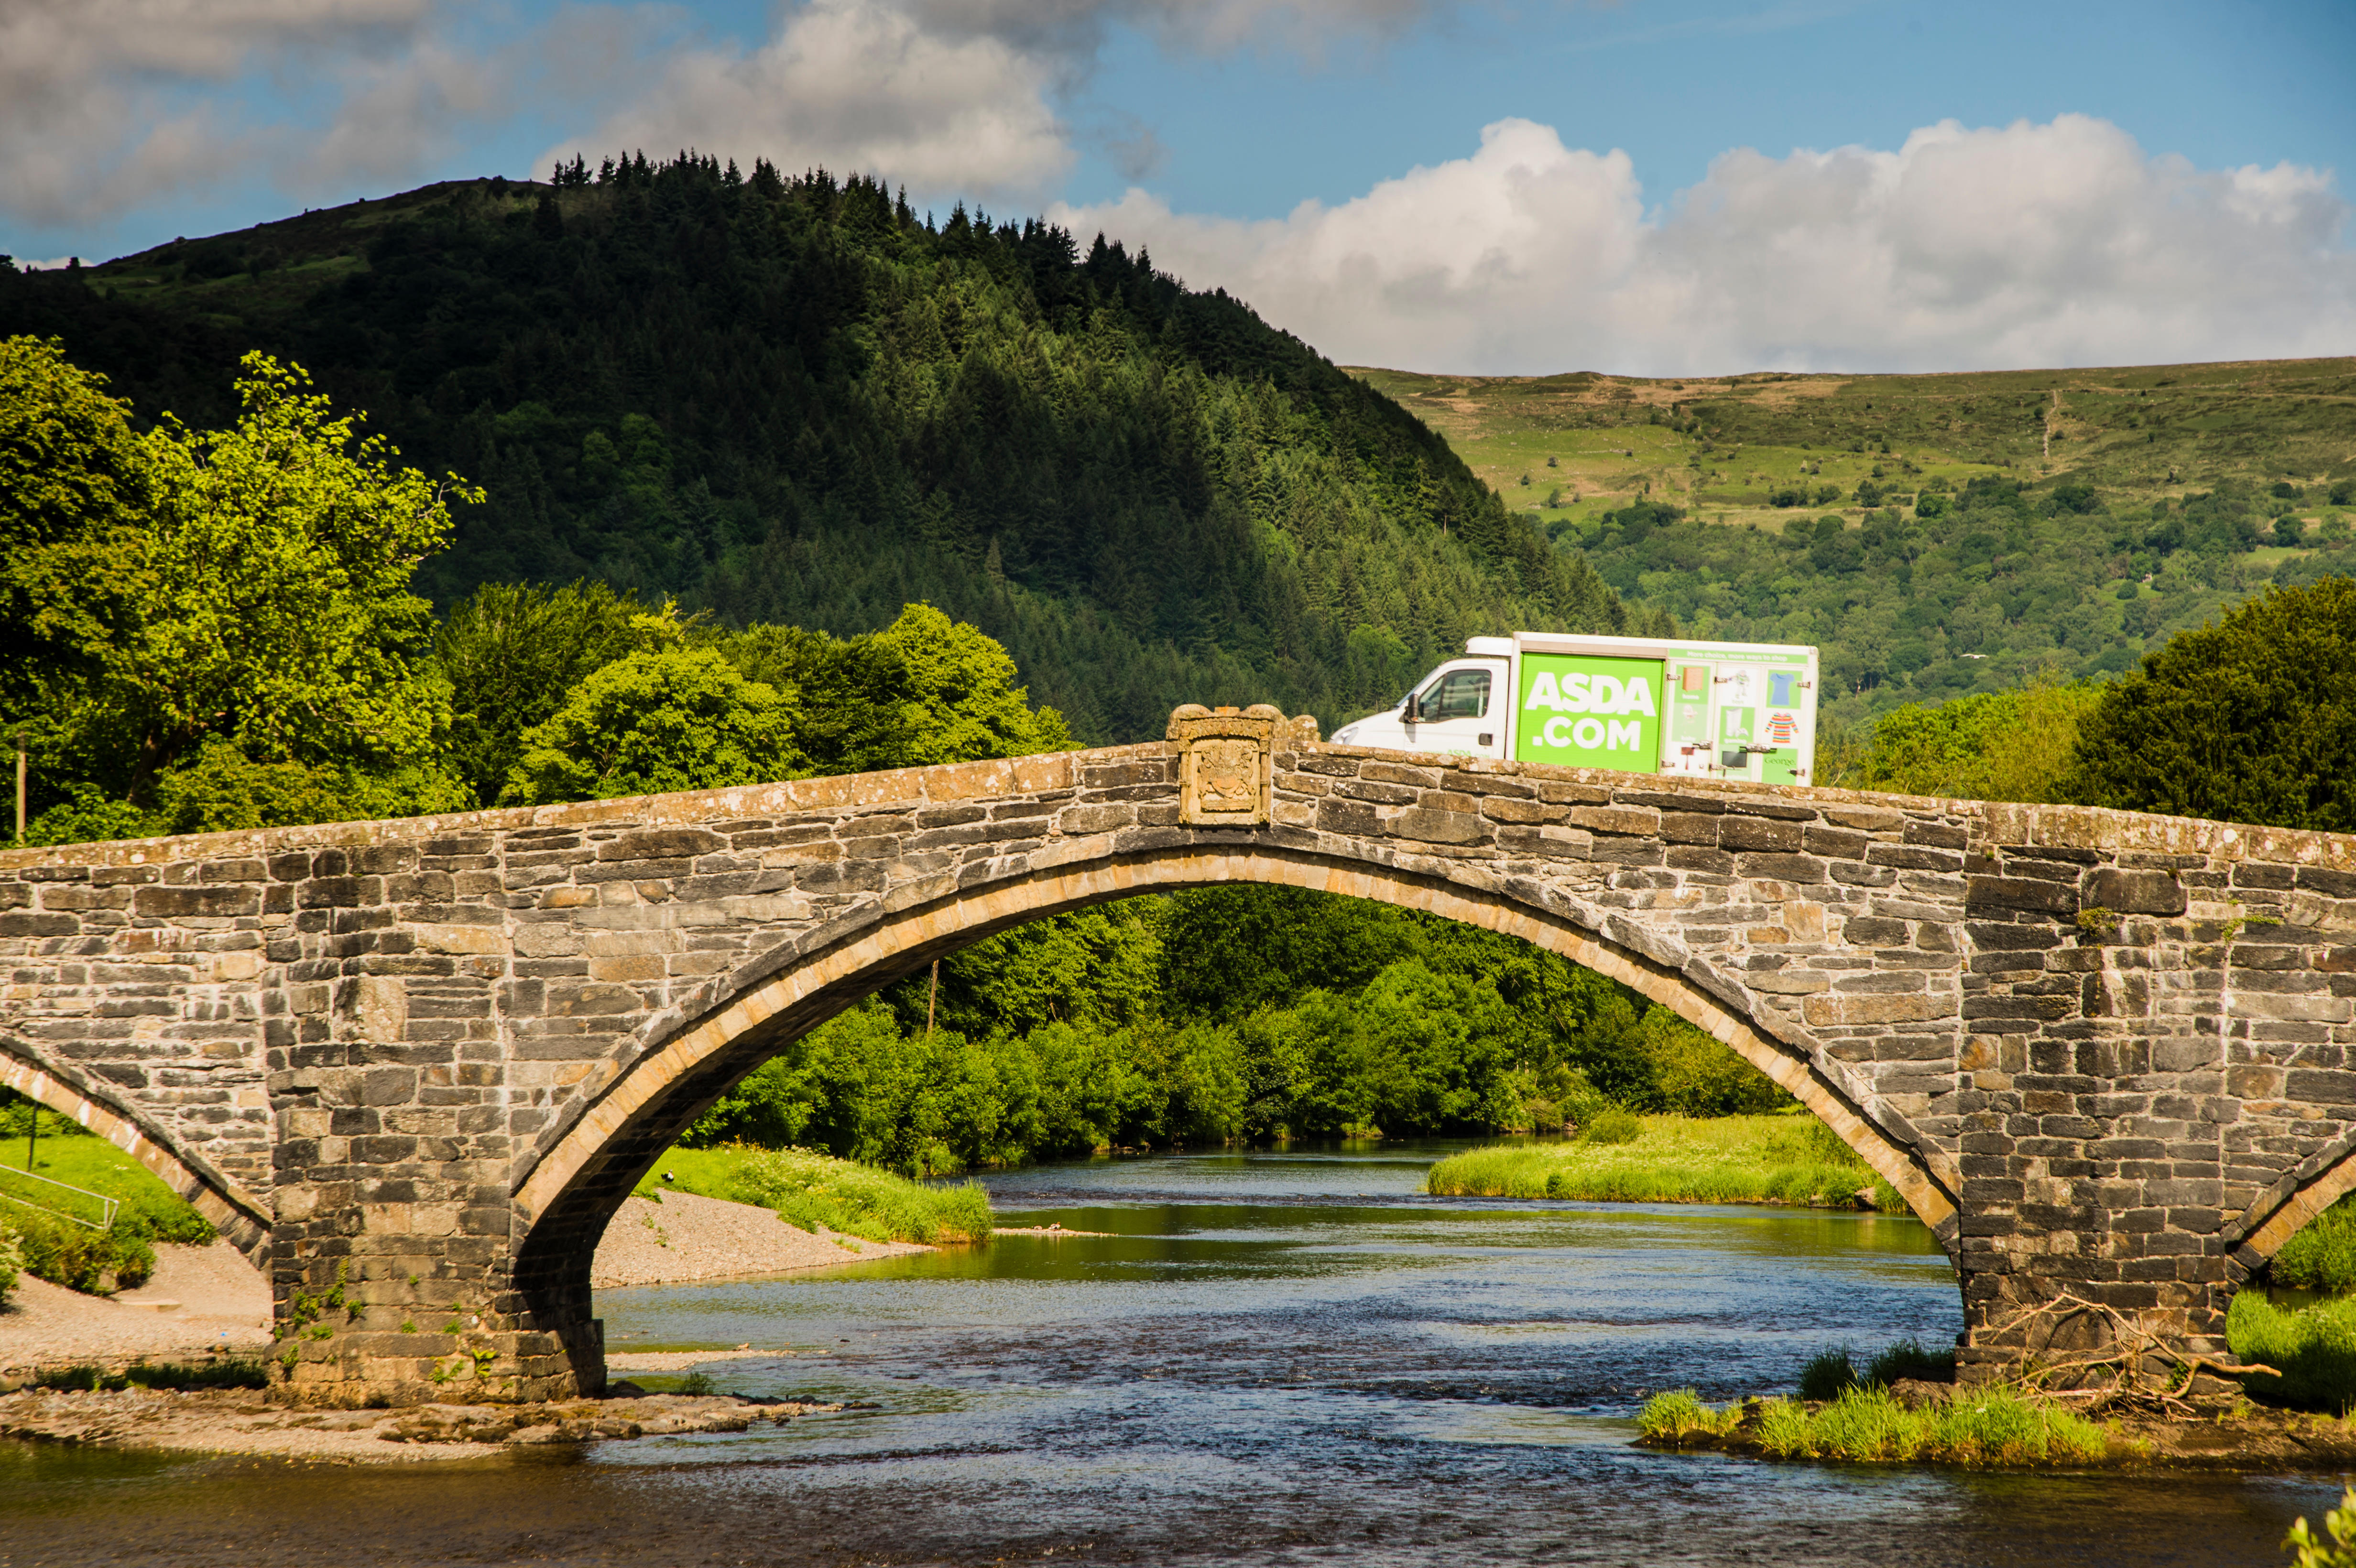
x: 2250, y: 719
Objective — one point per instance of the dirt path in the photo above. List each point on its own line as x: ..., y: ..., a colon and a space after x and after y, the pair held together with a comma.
x: 202, y: 1301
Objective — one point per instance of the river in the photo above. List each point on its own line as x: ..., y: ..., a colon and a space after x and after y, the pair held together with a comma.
x: 1280, y: 1357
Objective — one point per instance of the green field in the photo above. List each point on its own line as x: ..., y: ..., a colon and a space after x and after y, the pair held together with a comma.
x: 1720, y: 446
x: 1676, y: 1160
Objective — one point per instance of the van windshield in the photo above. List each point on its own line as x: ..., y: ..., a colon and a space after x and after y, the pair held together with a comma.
x: 1459, y: 694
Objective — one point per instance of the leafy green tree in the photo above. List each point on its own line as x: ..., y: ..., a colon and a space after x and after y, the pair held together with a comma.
x: 70, y: 471
x: 1434, y: 1053
x: 265, y: 601
x: 923, y: 691
x: 1098, y: 967
x: 223, y: 787
x: 1694, y: 1075
x: 2250, y: 719
x: 1229, y: 951
x: 87, y: 815
x: 961, y: 702
x: 2008, y: 745
x: 214, y: 629
x: 512, y: 651
x: 676, y: 718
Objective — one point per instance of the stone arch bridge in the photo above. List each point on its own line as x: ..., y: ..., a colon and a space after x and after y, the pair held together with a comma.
x: 2101, y: 1054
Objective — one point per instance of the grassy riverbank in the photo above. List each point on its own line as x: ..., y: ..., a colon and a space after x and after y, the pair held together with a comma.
x: 1868, y: 1426
x: 74, y: 1256
x: 2313, y: 1347
x: 811, y: 1190
x: 1674, y: 1159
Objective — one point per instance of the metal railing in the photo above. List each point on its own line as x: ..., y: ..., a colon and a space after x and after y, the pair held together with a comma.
x: 106, y: 1206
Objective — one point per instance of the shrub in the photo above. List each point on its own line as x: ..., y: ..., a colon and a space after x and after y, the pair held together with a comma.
x: 675, y: 718
x: 1696, y: 1075
x: 2339, y: 1551
x: 10, y: 1260
x: 1612, y: 1126
x: 2007, y: 745
x: 80, y: 1258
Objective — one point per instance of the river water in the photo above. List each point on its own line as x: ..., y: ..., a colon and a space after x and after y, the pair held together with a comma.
x: 1289, y: 1357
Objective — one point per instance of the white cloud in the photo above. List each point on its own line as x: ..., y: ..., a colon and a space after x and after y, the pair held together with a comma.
x: 108, y: 104
x: 2059, y: 243
x: 93, y: 93
x: 952, y: 96
x: 860, y: 85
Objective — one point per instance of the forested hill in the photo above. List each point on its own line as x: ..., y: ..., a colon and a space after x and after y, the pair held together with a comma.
x: 797, y: 400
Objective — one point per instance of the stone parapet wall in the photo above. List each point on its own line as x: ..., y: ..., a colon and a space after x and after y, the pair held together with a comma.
x: 431, y: 1056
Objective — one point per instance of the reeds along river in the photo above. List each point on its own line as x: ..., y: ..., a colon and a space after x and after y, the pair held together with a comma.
x: 1286, y: 1356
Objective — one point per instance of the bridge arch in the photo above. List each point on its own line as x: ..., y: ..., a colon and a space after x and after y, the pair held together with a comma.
x: 2285, y: 1207
x: 573, y: 1187
x: 244, y: 1219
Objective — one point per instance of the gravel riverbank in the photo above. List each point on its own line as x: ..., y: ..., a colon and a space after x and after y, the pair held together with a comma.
x: 685, y: 1237
x: 241, y: 1422
x: 207, y: 1303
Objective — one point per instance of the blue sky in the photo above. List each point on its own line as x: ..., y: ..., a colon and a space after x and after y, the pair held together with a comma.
x: 2209, y: 133
x: 1677, y: 85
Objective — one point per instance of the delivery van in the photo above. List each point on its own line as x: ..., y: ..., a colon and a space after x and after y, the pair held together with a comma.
x: 1639, y: 704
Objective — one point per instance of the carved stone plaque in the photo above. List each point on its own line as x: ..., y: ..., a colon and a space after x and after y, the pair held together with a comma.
x: 1226, y: 768
x: 1226, y: 777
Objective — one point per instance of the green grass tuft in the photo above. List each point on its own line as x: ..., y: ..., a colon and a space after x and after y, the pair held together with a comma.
x: 1866, y: 1426
x: 1679, y: 1415
x: 1828, y: 1374
x: 1612, y: 1126
x: 812, y: 1190
x: 1676, y: 1159
x: 1907, y: 1359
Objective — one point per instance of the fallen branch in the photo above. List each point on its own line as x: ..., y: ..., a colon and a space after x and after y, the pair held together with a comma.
x: 2133, y: 1345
